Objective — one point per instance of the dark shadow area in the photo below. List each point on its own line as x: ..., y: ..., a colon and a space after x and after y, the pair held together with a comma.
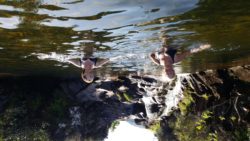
x: 48, y: 107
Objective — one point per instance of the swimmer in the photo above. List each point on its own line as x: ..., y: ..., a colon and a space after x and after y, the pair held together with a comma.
x: 168, y: 56
x: 88, y: 65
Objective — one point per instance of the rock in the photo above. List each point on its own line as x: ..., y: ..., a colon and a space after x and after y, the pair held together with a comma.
x: 77, y: 110
x: 219, y: 84
x: 242, y: 72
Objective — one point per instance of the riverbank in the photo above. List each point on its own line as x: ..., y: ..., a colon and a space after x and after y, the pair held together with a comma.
x: 212, y: 104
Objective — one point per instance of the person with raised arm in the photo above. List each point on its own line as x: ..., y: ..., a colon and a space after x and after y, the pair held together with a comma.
x: 167, y: 56
x: 88, y: 65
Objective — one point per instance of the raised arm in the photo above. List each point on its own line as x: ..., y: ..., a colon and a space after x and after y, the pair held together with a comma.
x: 75, y: 62
x: 183, y: 55
x: 200, y: 48
x: 101, y: 62
x: 152, y: 57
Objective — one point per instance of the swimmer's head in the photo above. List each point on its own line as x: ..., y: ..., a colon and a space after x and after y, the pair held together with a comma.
x: 87, y: 76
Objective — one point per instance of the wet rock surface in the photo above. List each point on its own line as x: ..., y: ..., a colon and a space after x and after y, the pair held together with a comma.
x: 69, y: 109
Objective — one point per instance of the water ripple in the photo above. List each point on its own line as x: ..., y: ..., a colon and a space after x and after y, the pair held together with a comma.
x: 9, y: 23
x: 109, y: 29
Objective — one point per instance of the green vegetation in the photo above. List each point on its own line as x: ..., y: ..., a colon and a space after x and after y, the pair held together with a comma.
x: 205, y: 96
x: 185, y: 102
x: 213, y: 136
x: 156, y: 127
x: 114, y: 124
x: 242, y: 135
x: 58, y: 107
x: 125, y: 97
x: 14, y: 126
x: 201, y: 123
x: 185, y: 129
x: 32, y: 109
x: 210, y: 123
x: 119, y: 96
x: 29, y: 135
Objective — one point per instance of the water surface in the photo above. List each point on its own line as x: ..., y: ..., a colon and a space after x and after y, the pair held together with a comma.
x: 76, y: 28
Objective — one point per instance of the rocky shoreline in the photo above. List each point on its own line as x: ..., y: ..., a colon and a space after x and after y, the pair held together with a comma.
x: 212, y: 104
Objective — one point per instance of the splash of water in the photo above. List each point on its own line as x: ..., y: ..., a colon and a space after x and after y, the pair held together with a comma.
x: 129, y: 131
x: 170, y: 99
x: 62, y: 58
x: 54, y: 56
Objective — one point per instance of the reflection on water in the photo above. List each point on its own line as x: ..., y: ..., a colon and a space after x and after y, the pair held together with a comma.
x: 116, y: 28
x: 130, y: 131
x: 9, y: 23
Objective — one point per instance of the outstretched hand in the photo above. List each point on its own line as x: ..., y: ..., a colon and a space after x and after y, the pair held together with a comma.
x: 205, y: 46
x: 200, y: 48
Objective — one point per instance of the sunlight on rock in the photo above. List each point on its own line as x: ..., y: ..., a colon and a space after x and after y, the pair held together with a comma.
x: 129, y: 131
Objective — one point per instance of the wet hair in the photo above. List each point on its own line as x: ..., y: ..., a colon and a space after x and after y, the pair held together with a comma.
x: 85, y: 79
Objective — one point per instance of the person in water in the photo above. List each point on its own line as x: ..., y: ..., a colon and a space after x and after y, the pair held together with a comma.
x: 88, y: 65
x: 167, y: 56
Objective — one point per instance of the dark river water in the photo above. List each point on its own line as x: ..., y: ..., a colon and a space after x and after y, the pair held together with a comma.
x: 30, y: 30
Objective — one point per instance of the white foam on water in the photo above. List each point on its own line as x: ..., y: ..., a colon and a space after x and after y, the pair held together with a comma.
x: 174, y: 96
x: 55, y: 56
x: 64, y: 58
x: 130, y: 131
